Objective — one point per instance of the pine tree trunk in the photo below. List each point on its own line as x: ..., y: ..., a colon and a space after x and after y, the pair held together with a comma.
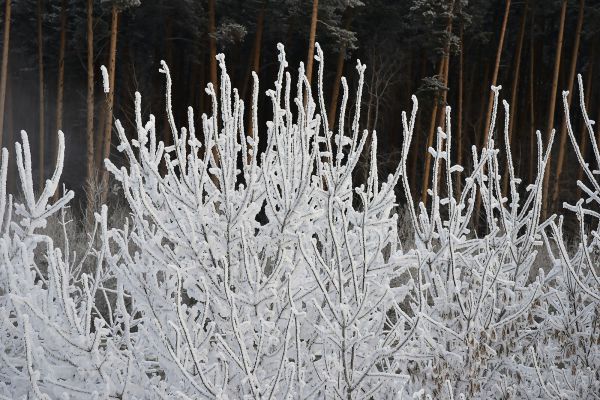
x: 588, y: 96
x: 335, y: 91
x: 90, y: 159
x: 311, y: 41
x: 459, y: 116
x: 12, y: 166
x: 515, y: 85
x: 442, y: 73
x: 4, y: 70
x: 110, y: 98
x: 488, y: 115
x: 563, y: 129
x: 61, y: 81
x: 553, y: 94
x: 42, y: 122
x: 532, y: 134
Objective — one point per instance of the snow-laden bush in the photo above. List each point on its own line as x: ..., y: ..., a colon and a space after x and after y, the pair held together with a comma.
x: 264, y: 271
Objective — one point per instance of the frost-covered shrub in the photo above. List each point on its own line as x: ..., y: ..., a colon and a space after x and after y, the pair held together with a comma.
x: 262, y: 270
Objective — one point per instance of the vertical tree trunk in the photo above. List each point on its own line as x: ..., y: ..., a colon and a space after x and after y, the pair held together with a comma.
x: 417, y: 135
x: 12, y: 170
x: 553, y: 94
x: 212, y: 42
x: 563, y: 128
x: 442, y: 73
x: 4, y: 70
x: 42, y: 136
x: 488, y: 115
x: 61, y: 80
x: 311, y: 41
x: 459, y: 116
x: 90, y: 159
x: 114, y: 24
x: 532, y: 135
x: 515, y: 85
x: 335, y: 91
x: 588, y: 96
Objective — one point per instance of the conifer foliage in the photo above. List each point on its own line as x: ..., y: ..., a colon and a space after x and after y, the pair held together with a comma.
x: 263, y: 270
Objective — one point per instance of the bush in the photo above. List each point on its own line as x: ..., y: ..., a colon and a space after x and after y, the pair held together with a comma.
x: 247, y: 273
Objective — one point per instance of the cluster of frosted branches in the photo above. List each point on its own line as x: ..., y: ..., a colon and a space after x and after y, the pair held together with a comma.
x: 264, y: 271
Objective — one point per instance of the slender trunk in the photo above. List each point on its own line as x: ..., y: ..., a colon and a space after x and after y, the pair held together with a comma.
x: 495, y: 72
x: 553, y: 94
x: 335, y: 92
x: 311, y: 41
x: 417, y: 135
x: 459, y: 116
x: 532, y: 135
x: 441, y: 74
x: 490, y: 106
x: 260, y: 23
x: 12, y: 171
x: 563, y: 129
x: 61, y: 81
x: 4, y: 70
x: 588, y: 96
x: 167, y: 135
x: 110, y: 97
x: 212, y: 42
x: 90, y: 162
x: 42, y: 136
x: 515, y: 85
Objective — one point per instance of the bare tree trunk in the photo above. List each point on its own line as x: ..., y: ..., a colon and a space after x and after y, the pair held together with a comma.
x: 563, y: 128
x: 553, y: 94
x: 311, y: 40
x: 532, y: 135
x: 459, y: 117
x: 42, y: 136
x: 442, y: 73
x: 114, y: 26
x: 335, y: 92
x: 90, y: 161
x: 12, y: 171
x: 4, y: 71
x: 588, y: 96
x: 488, y: 115
x: 515, y: 85
x: 60, y: 90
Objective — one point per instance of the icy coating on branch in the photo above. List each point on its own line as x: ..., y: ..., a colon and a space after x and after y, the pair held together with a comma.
x: 262, y: 270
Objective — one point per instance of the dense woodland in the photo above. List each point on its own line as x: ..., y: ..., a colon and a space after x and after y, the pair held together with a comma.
x: 444, y: 51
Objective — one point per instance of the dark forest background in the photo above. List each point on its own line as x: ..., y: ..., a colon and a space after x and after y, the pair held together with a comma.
x: 444, y: 51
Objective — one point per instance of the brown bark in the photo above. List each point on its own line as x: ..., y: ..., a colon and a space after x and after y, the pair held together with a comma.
x: 583, y: 141
x: 563, y: 129
x: 42, y: 123
x: 90, y: 162
x: 114, y: 24
x: 12, y: 171
x: 260, y: 24
x: 4, y: 70
x: 532, y: 135
x: 339, y: 70
x: 515, y: 85
x: 496, y: 70
x: 311, y: 40
x: 553, y: 94
x: 60, y: 90
x: 442, y: 74
x: 459, y: 116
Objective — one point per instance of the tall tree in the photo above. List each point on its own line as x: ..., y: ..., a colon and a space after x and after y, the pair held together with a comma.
x: 339, y: 70
x: 311, y: 40
x: 42, y: 123
x: 583, y: 143
x: 212, y: 42
x: 60, y: 90
x: 4, y: 70
x: 563, y: 128
x: 553, y: 93
x: 515, y: 85
x: 89, y: 128
x: 114, y: 26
